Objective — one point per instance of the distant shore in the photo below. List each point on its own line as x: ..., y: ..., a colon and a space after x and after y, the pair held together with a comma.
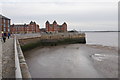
x: 100, y: 31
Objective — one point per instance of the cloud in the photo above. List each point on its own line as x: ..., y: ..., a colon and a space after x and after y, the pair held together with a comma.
x: 85, y: 14
x: 7, y: 1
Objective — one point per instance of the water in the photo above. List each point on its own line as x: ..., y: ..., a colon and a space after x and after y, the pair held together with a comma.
x: 102, y: 38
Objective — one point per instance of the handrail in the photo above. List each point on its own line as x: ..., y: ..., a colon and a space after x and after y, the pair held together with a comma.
x: 18, y: 73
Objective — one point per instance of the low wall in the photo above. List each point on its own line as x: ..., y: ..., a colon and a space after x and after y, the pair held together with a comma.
x: 22, y: 70
x: 51, y: 40
x: 23, y: 65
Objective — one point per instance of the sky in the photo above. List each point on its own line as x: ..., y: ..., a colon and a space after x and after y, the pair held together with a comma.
x: 80, y: 15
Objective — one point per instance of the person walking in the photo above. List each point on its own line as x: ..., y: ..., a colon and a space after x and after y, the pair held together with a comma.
x: 9, y: 35
x: 4, y: 37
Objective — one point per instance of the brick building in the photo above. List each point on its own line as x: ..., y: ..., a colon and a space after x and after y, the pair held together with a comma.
x: 56, y: 27
x: 4, y: 24
x: 43, y: 30
x: 25, y: 28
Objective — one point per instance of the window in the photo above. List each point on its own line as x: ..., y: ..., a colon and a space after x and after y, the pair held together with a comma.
x: 4, y: 21
x: 8, y: 25
x: 8, y: 21
x: 4, y: 25
x: 8, y: 30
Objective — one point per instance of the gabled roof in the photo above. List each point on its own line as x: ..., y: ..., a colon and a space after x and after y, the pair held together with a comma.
x: 47, y: 22
x: 54, y: 22
x: 32, y: 22
x: 64, y: 23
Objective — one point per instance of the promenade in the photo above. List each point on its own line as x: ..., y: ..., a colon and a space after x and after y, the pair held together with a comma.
x: 0, y: 59
x: 8, y: 59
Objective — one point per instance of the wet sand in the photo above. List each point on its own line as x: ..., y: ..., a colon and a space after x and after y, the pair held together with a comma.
x: 73, y: 61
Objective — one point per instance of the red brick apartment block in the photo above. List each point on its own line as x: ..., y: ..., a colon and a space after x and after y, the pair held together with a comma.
x: 56, y: 27
x: 4, y: 24
x: 25, y: 28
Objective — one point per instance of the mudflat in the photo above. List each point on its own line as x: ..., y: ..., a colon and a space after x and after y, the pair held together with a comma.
x: 73, y: 61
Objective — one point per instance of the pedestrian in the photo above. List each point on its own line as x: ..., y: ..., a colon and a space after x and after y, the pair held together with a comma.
x: 9, y: 35
x: 4, y: 37
x: 1, y: 36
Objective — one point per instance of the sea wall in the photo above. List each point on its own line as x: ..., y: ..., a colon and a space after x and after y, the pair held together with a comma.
x: 51, y: 40
x: 22, y: 70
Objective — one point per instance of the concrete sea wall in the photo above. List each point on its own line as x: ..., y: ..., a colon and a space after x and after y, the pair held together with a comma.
x: 52, y: 40
x: 22, y: 70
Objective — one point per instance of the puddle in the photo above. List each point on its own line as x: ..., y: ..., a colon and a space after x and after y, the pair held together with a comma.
x: 100, y: 57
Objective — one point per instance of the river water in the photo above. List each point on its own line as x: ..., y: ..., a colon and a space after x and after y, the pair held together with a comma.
x: 76, y: 60
x: 102, y: 38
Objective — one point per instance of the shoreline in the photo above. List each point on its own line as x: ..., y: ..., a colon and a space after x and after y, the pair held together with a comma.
x: 103, y: 46
x: 115, y: 48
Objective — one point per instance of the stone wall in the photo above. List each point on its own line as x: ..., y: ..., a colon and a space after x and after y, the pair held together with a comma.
x: 52, y: 40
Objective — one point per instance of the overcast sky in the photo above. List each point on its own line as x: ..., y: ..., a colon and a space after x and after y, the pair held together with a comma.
x: 78, y: 14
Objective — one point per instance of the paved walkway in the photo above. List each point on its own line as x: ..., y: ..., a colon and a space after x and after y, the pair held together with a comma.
x: 0, y: 59
x: 8, y: 59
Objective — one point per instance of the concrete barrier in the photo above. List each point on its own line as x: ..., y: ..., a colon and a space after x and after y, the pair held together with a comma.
x: 18, y: 73
x: 23, y: 65
x: 20, y: 63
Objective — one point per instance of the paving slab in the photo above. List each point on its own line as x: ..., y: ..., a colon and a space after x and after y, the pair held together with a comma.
x: 0, y: 59
x: 8, y: 59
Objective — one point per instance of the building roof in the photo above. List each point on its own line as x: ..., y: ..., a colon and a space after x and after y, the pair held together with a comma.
x: 32, y: 22
x: 64, y: 23
x: 60, y: 26
x: 47, y: 22
x: 20, y: 25
x: 3, y: 17
x: 54, y: 22
x: 24, y: 25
